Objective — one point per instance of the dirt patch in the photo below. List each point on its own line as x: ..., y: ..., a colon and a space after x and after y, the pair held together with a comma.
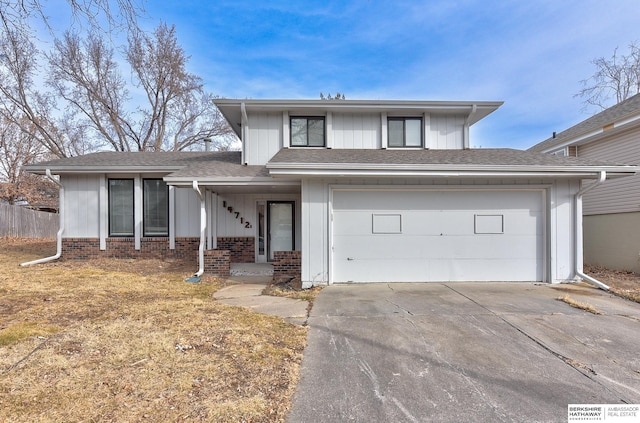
x: 622, y: 283
x: 129, y: 340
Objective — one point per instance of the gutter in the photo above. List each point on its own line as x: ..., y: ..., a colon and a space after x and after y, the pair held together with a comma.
x: 578, y: 232
x: 60, y: 230
x: 203, y: 220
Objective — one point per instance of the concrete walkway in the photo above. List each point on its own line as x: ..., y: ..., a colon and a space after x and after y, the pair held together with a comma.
x: 246, y: 291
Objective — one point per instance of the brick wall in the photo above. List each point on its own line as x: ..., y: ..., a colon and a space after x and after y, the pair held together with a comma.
x: 89, y: 248
x: 81, y: 248
x: 242, y: 248
x: 217, y: 262
x: 287, y: 265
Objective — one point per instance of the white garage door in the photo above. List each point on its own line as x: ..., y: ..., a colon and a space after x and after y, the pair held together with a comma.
x: 431, y: 236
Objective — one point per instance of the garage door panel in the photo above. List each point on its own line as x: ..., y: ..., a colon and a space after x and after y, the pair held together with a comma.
x: 420, y: 247
x: 522, y: 270
x: 435, y: 200
x: 439, y: 242
x: 436, y: 222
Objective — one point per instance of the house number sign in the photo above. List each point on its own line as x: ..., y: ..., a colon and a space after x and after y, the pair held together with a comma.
x: 246, y: 223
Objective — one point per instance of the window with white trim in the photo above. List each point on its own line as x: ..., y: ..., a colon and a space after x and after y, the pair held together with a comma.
x: 155, y: 207
x: 121, y: 207
x: 404, y: 132
x: 307, y: 131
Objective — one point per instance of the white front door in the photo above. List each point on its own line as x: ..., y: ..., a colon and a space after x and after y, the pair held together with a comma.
x: 280, y: 227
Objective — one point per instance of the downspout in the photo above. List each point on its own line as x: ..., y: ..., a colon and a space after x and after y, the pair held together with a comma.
x: 60, y: 230
x: 243, y: 130
x: 465, y: 132
x: 578, y: 232
x: 203, y: 225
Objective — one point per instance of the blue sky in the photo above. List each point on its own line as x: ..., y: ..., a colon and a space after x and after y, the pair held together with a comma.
x: 532, y: 55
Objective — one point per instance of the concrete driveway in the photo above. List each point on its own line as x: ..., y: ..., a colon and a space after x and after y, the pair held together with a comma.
x: 463, y: 352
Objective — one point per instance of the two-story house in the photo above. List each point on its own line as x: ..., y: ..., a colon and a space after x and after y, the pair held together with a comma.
x: 338, y: 191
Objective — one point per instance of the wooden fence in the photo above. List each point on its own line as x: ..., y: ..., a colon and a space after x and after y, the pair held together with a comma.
x: 16, y: 221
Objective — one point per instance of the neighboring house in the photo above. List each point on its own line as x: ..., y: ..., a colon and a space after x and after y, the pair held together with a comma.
x: 337, y: 191
x: 612, y: 210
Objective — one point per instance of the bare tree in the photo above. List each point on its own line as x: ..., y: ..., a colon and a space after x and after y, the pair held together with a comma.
x: 18, y: 148
x: 176, y: 112
x: 22, y: 102
x: 95, y: 14
x: 90, y: 105
x: 616, y: 78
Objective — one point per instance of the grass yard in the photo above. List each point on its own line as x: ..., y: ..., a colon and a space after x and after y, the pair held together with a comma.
x: 129, y: 340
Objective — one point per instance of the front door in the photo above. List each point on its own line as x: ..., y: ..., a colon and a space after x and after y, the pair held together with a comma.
x: 280, y: 226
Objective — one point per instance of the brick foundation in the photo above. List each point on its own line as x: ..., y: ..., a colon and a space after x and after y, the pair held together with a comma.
x: 216, y: 262
x: 81, y: 248
x: 122, y: 248
x: 287, y: 265
x: 241, y: 248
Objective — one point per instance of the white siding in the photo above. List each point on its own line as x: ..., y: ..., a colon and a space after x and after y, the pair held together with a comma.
x: 187, y: 208
x: 82, y: 206
x: 445, y: 132
x: 356, y: 130
x: 617, y: 195
x: 562, y: 254
x: 265, y: 132
x: 264, y: 137
x: 228, y: 225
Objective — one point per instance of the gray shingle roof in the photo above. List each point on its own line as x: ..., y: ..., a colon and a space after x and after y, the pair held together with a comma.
x: 182, y: 167
x: 615, y: 113
x: 481, y: 157
x: 144, y: 159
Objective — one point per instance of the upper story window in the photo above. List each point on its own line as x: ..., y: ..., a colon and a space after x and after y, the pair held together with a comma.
x: 307, y: 131
x: 405, y: 132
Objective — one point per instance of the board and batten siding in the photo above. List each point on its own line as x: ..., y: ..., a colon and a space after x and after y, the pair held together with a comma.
x: 618, y: 195
x: 264, y: 137
x: 357, y: 131
x: 187, y: 213
x: 228, y: 225
x: 265, y: 132
x: 82, y: 206
x: 445, y: 132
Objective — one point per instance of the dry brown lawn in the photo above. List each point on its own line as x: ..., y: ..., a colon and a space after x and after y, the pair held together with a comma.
x: 623, y: 284
x: 129, y: 340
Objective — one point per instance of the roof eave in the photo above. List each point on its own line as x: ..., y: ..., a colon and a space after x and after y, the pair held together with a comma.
x: 589, y: 137
x: 227, y: 181
x: 447, y: 170
x: 41, y: 169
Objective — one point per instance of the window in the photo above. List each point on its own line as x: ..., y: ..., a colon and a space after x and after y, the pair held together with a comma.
x: 120, y: 207
x: 405, y: 132
x: 307, y: 131
x: 561, y: 153
x: 155, y: 216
